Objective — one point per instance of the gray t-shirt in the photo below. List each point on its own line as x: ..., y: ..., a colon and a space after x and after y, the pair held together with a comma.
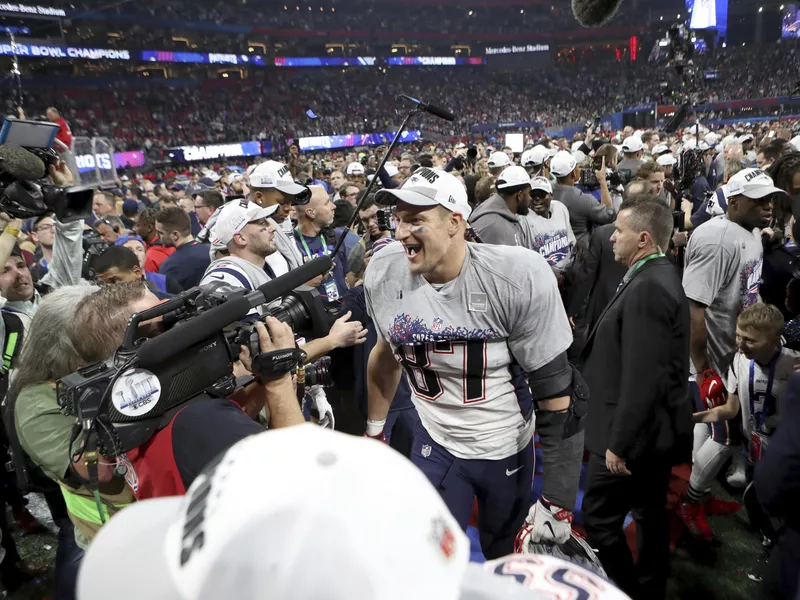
x: 552, y: 236
x: 459, y: 346
x: 722, y: 270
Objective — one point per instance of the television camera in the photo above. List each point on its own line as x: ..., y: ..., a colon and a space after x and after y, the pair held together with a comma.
x: 120, y: 403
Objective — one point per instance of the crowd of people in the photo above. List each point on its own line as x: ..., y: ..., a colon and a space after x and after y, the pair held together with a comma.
x: 363, y: 100
x: 629, y: 297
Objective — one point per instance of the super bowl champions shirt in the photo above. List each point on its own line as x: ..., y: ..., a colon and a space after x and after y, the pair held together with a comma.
x: 466, y: 348
x: 552, y: 236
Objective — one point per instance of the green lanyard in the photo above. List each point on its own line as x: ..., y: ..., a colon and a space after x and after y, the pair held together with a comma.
x: 640, y: 263
x: 302, y: 239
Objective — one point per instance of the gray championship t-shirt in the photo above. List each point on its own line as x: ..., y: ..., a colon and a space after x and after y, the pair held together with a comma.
x: 722, y: 270
x: 462, y: 346
x: 552, y: 237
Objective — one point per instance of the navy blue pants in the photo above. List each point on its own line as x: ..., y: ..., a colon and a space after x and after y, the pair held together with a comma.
x: 502, y: 487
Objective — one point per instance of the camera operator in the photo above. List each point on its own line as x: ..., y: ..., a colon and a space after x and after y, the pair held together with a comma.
x: 368, y: 216
x: 44, y: 431
x: 583, y: 208
x: 204, y: 426
x: 110, y: 228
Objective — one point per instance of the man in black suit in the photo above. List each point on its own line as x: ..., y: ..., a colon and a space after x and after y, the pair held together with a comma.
x: 599, y: 276
x: 636, y: 363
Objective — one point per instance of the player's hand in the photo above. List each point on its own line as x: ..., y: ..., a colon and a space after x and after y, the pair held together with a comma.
x: 616, y: 464
x: 687, y: 206
x: 345, y: 333
x: 712, y: 390
x: 375, y: 430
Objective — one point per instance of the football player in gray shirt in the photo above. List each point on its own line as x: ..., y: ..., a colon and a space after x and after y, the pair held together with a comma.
x: 481, y: 332
x: 721, y: 278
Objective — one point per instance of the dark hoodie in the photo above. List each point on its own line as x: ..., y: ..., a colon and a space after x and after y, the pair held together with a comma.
x: 496, y: 224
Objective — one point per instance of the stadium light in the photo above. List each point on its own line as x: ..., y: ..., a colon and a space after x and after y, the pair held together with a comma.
x: 521, y: 10
x: 661, y: 19
x: 760, y: 9
x: 781, y: 6
x: 469, y: 14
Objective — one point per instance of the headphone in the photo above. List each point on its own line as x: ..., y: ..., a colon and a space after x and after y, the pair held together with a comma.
x: 105, y: 221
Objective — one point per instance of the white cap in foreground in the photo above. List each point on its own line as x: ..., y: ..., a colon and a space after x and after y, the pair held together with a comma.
x: 273, y: 174
x: 293, y: 514
x: 753, y: 183
x: 234, y: 216
x: 429, y: 187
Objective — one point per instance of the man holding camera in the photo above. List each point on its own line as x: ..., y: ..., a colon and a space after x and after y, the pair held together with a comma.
x: 583, y: 208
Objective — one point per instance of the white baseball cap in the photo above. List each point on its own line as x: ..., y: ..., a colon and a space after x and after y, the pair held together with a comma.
x: 659, y: 149
x: 562, y: 164
x: 391, y: 170
x: 753, y: 183
x: 576, y: 145
x: 273, y: 174
x: 666, y: 159
x: 795, y: 141
x: 536, y: 156
x: 711, y: 138
x: 233, y: 217
x: 429, y: 187
x: 513, y: 177
x: 747, y: 137
x: 299, y: 513
x: 541, y: 183
x: 632, y: 143
x: 355, y: 168
x: 498, y: 159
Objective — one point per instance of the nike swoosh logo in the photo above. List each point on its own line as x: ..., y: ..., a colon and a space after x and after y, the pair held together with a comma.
x: 213, y: 276
x: 510, y: 473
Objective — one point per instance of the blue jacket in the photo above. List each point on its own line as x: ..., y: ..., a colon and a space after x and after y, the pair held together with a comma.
x: 187, y: 264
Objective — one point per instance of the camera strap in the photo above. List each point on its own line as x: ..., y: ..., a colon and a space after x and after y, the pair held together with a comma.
x: 271, y: 365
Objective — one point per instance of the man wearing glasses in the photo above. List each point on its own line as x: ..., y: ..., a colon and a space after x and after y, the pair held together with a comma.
x: 43, y: 235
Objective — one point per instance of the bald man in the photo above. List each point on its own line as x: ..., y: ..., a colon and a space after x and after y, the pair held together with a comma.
x: 314, y: 237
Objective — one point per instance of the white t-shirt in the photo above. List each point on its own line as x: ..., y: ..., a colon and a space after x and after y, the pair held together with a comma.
x: 552, y: 236
x: 759, y: 395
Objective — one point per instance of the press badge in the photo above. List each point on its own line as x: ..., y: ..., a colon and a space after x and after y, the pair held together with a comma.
x: 331, y: 290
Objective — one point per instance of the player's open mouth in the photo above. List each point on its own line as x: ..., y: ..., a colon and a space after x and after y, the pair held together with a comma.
x: 412, y: 250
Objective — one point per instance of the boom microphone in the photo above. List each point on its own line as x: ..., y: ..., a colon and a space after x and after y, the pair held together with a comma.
x: 594, y: 13
x: 431, y: 108
x: 20, y: 164
x: 160, y: 348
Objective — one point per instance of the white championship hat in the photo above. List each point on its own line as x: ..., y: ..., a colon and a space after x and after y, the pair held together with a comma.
x: 300, y: 513
x: 541, y: 183
x: 753, y: 183
x: 562, y: 164
x: 498, y: 159
x: 355, y: 168
x: 513, y: 177
x: 632, y: 144
x: 233, y: 217
x: 273, y: 174
x: 429, y: 187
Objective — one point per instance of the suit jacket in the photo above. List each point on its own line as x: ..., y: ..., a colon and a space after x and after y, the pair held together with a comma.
x: 636, y: 363
x: 600, y: 275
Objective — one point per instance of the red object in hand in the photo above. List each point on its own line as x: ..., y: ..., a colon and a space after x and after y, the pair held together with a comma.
x: 380, y: 437
x: 712, y: 390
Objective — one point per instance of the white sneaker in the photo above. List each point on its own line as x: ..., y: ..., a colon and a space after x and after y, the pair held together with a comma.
x: 736, y: 477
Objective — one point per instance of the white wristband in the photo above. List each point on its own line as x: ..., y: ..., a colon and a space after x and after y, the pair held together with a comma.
x: 375, y: 427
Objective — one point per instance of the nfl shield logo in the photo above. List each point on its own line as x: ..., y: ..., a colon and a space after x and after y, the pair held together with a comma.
x: 426, y: 451
x: 437, y: 324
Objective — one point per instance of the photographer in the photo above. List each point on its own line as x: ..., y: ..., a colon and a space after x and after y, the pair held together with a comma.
x: 368, y: 215
x: 583, y: 208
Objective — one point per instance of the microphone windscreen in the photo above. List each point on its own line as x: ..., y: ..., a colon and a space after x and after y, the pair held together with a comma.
x: 20, y: 164
x: 441, y: 112
x: 594, y: 13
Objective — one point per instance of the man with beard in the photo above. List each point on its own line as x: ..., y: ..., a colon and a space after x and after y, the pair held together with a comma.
x: 551, y: 232
x: 190, y: 259
x: 314, y: 237
x: 497, y: 220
